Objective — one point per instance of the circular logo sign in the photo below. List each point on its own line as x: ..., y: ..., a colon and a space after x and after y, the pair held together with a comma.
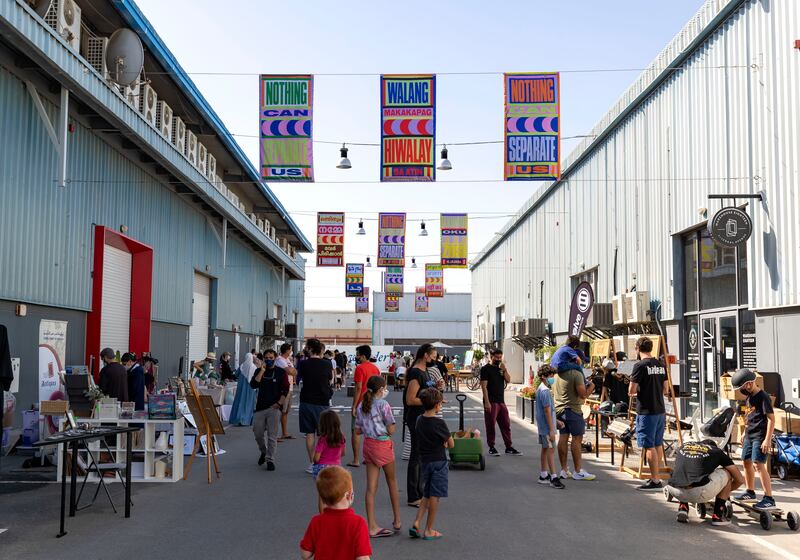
x: 730, y: 227
x: 693, y: 339
x: 584, y: 300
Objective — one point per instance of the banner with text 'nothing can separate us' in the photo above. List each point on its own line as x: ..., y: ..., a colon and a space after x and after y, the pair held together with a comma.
x: 408, y: 127
x: 532, y: 131
x: 391, y: 239
x: 454, y: 240
x: 330, y: 238
x: 286, y: 105
x: 393, y: 281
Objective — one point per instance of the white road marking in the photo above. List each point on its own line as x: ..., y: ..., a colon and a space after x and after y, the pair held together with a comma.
x: 3, y: 531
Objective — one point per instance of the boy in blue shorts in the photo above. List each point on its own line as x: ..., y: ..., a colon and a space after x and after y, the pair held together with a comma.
x: 546, y: 423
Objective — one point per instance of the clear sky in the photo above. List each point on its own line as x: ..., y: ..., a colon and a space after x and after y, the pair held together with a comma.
x: 588, y: 41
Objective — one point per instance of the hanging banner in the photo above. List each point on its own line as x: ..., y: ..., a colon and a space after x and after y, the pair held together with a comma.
x: 532, y: 131
x: 408, y: 128
x: 52, y: 354
x: 354, y: 280
x: 362, y: 303
x: 393, y: 281
x: 582, y: 303
x: 421, y: 304
x: 391, y: 239
x: 434, y: 280
x: 330, y: 238
x: 286, y: 104
x: 392, y: 304
x: 454, y: 240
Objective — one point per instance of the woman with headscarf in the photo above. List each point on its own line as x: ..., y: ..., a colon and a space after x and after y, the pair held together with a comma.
x: 244, y: 403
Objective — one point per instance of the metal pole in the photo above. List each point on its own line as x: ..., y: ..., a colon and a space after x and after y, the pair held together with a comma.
x: 224, y: 242
x: 63, y: 130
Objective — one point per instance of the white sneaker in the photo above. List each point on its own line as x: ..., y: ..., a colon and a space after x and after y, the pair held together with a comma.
x: 564, y: 474
x: 583, y: 475
x: 310, y: 469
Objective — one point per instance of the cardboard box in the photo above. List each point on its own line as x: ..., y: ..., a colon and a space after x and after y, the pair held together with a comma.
x: 726, y: 389
x: 784, y: 420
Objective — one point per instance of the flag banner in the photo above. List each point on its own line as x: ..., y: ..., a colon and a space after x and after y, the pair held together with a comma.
x: 393, y: 281
x: 532, y: 131
x: 408, y: 128
x: 330, y: 238
x: 454, y: 240
x: 362, y: 303
x: 354, y: 280
x: 434, y: 280
x: 581, y: 307
x: 392, y: 304
x: 286, y: 104
x: 391, y: 239
x: 421, y: 304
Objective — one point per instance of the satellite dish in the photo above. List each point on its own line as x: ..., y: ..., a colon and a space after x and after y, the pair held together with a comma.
x: 124, y: 56
x: 41, y: 7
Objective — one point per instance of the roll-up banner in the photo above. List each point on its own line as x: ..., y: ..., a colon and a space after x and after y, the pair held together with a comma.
x: 454, y: 240
x: 434, y: 280
x: 421, y: 304
x: 286, y: 105
x: 408, y: 127
x: 330, y: 238
x: 582, y: 303
x: 354, y: 280
x: 392, y: 239
x: 362, y: 302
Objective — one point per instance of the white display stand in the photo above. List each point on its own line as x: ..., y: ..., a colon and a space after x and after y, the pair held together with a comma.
x: 151, y: 454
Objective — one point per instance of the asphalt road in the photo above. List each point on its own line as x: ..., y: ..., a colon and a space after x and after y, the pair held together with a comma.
x: 498, y: 513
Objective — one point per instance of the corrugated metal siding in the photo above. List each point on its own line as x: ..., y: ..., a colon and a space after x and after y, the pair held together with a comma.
x: 704, y: 130
x: 451, y: 307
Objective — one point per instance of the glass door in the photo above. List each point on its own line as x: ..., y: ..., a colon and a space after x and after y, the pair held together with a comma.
x: 719, y: 353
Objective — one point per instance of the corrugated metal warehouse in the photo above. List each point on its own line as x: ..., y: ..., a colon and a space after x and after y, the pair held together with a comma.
x: 715, y: 113
x: 163, y: 239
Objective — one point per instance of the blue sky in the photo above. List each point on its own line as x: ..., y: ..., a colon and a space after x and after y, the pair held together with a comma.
x: 586, y: 40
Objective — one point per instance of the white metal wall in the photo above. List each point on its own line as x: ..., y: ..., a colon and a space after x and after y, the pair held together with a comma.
x: 201, y: 317
x: 726, y: 122
x: 447, y: 319
x: 115, y: 315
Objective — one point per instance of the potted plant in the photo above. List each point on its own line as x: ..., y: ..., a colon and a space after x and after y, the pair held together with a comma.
x: 525, y: 395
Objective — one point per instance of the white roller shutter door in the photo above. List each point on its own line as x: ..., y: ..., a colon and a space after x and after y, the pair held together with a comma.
x: 198, y: 332
x: 115, y: 315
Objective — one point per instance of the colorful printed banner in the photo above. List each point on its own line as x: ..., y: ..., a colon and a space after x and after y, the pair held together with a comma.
x: 330, y: 238
x: 421, y: 303
x: 454, y: 240
x: 362, y: 303
x: 391, y: 239
x: 532, y: 131
x: 286, y: 104
x: 393, y: 281
x: 408, y: 128
x: 434, y: 280
x: 354, y: 280
x: 392, y: 304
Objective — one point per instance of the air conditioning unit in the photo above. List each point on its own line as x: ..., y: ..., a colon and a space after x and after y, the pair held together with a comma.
x: 252, y: 217
x: 148, y: 104
x: 514, y: 330
x: 211, y: 168
x: 220, y: 185
x: 618, y: 310
x: 266, y: 227
x: 242, y: 208
x: 536, y: 327
x: 260, y: 224
x: 637, y: 304
x: 191, y: 148
x: 291, y: 330
x: 65, y: 17
x: 179, y: 134
x: 132, y: 93
x: 233, y: 198
x: 602, y: 315
x: 164, y: 120
x: 273, y: 327
x: 96, y: 54
x: 273, y: 234
x: 202, y: 155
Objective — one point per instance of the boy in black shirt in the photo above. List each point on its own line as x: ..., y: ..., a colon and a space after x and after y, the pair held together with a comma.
x: 649, y: 385
x: 434, y: 437
x: 757, y: 437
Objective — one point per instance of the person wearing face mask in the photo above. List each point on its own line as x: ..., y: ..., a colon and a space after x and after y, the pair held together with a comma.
x: 364, y: 371
x: 494, y: 376
x: 135, y: 380
x: 546, y: 424
x: 273, y: 387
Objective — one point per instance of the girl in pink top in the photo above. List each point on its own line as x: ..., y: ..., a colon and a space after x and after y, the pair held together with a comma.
x: 330, y: 444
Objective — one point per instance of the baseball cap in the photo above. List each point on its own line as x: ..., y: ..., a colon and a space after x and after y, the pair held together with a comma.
x: 609, y: 364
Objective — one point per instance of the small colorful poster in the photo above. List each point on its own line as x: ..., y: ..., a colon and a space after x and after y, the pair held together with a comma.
x: 286, y: 104
x: 362, y: 303
x: 392, y: 239
x: 532, y: 131
x: 421, y: 303
x: 434, y: 280
x: 330, y: 238
x: 393, y: 281
x: 354, y: 280
x: 408, y: 128
x: 454, y: 240
x: 392, y: 304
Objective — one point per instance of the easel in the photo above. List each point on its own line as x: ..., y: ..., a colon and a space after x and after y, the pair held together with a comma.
x: 208, y: 424
x: 600, y: 350
x: 659, y: 345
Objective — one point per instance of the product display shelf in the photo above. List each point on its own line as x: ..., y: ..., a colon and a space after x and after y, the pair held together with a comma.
x: 142, y: 471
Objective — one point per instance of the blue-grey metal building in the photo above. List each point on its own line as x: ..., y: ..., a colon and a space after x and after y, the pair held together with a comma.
x: 163, y: 238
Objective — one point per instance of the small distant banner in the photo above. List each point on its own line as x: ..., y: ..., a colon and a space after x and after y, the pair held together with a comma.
x: 330, y: 238
x: 408, y: 127
x: 354, y: 280
x: 532, y: 131
x: 286, y: 104
x: 421, y: 304
x: 362, y: 303
x: 434, y: 280
x: 391, y: 239
x: 393, y: 281
x: 454, y: 240
x: 392, y: 304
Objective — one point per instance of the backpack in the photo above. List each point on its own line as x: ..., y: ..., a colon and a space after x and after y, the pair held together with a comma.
x: 717, y: 426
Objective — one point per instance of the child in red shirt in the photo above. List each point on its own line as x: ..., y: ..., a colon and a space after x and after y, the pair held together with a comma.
x: 337, y: 533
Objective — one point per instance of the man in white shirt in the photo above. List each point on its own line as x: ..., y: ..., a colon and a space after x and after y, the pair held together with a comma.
x: 284, y: 361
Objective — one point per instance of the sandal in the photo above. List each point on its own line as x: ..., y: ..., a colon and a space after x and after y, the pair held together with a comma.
x: 413, y: 532
x: 436, y: 536
x: 382, y: 533
x: 354, y: 465
x: 397, y: 528
x: 289, y: 436
x: 413, y: 504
